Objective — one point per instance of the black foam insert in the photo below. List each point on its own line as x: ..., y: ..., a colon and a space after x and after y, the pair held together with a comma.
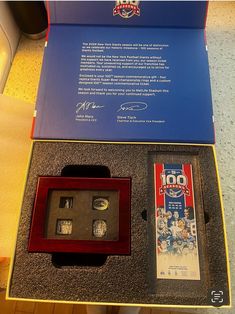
x: 119, y: 279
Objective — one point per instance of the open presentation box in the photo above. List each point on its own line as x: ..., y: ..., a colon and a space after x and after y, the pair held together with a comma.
x: 124, y: 92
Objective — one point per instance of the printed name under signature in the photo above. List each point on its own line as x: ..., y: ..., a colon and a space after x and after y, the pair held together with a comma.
x: 133, y: 106
x: 87, y: 105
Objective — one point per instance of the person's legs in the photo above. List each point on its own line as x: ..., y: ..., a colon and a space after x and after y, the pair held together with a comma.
x: 129, y: 310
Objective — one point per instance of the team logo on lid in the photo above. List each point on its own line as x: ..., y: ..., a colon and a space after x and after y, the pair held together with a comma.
x: 126, y: 8
x: 174, y: 183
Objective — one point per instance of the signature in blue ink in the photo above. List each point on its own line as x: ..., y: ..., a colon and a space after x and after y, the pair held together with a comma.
x: 84, y: 106
x: 133, y: 106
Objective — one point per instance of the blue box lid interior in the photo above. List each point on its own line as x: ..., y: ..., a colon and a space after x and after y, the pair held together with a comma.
x: 125, y: 71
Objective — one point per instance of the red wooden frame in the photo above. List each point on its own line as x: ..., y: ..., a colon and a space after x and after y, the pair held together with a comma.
x: 37, y: 240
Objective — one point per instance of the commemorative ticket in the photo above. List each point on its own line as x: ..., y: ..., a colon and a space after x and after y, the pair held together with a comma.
x: 176, y: 227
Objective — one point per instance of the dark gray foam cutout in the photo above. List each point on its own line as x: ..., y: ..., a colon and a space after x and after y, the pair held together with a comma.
x: 122, y: 279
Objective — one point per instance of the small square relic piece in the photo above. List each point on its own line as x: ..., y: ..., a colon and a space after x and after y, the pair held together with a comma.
x: 66, y: 202
x: 64, y: 227
x: 100, y: 203
x: 99, y: 228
